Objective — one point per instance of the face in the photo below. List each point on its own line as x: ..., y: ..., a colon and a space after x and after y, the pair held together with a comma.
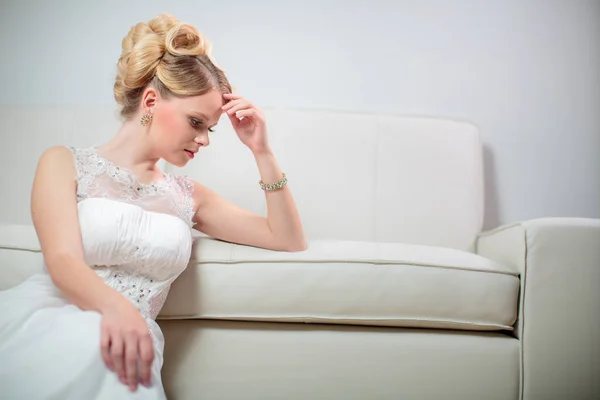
x: 181, y: 125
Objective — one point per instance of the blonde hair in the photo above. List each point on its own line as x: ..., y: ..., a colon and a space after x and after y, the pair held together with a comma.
x: 171, y: 56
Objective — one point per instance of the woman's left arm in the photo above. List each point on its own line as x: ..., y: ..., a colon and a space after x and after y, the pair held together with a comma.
x: 215, y: 216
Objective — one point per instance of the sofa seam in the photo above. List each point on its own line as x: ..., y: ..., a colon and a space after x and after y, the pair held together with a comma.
x: 371, y: 262
x: 323, y: 320
x: 522, y: 313
x: 498, y: 230
x: 7, y: 247
x: 480, y: 179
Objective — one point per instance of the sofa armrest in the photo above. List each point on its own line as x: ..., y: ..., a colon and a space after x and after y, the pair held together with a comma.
x: 559, y: 316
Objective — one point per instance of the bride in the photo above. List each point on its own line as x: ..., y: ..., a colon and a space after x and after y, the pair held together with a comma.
x: 115, y: 230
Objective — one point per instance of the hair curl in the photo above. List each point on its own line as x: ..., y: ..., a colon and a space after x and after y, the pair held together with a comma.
x: 171, y: 56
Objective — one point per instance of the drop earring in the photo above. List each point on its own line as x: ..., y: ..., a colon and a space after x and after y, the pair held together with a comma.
x: 146, y: 119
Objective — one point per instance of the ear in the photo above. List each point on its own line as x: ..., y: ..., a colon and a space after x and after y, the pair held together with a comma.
x: 150, y: 99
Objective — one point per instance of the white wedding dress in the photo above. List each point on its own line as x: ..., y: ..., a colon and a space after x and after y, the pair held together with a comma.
x: 137, y: 238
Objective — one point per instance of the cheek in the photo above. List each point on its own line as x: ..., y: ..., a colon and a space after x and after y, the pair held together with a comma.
x: 168, y: 121
x: 171, y: 126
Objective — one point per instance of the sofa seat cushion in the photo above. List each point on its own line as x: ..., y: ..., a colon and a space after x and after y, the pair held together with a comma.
x: 346, y: 282
x: 20, y: 254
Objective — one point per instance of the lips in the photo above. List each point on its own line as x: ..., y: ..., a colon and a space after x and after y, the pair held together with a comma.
x: 190, y: 153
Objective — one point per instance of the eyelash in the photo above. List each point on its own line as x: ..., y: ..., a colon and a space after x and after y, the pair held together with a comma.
x: 196, y: 124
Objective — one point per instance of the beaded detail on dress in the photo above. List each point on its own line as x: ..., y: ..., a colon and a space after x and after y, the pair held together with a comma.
x: 99, y: 177
x: 136, y: 237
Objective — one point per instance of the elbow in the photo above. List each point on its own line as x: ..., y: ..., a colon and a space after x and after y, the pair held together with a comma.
x: 296, y: 245
x: 293, y: 241
x: 302, y: 245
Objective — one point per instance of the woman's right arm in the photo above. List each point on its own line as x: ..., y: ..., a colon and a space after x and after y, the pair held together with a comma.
x: 125, y: 335
x: 54, y: 215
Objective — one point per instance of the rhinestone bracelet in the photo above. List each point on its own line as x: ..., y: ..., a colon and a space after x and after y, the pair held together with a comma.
x: 271, y: 187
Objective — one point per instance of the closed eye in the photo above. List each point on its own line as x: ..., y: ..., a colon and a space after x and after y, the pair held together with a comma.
x: 196, y: 123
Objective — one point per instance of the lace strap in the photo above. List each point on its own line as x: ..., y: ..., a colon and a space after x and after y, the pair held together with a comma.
x: 186, y: 188
x: 82, y: 161
x: 98, y: 177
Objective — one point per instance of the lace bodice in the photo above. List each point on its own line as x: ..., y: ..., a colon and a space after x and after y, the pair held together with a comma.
x: 136, y: 237
x: 98, y: 177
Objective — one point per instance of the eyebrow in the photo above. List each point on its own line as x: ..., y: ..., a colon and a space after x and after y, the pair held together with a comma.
x: 199, y: 114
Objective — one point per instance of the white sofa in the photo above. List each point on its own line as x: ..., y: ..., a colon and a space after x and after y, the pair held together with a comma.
x: 399, y: 294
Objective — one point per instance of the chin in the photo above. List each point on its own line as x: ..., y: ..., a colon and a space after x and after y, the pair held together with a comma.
x: 177, y: 162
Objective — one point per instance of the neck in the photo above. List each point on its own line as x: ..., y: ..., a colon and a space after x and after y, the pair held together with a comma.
x: 131, y: 149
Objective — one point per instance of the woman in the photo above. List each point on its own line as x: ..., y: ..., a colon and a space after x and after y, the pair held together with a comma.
x: 115, y: 230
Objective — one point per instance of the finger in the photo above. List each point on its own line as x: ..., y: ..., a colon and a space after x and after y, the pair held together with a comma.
x: 234, y: 103
x: 232, y: 96
x: 146, y: 349
x: 238, y: 107
x: 105, y: 348
x: 251, y: 112
x: 131, y: 360
x: 116, y: 354
x: 231, y: 103
x: 235, y: 120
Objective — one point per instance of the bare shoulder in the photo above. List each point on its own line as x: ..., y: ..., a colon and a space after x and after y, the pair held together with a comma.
x: 56, y: 171
x: 54, y: 203
x: 56, y: 158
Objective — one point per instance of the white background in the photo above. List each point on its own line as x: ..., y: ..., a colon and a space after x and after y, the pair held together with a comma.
x: 526, y: 72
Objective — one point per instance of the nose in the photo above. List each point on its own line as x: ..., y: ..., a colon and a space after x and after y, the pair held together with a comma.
x: 202, y: 140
